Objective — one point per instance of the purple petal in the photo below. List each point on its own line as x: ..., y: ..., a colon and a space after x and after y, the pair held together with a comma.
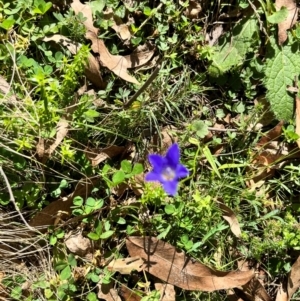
x: 157, y: 162
x: 153, y: 177
x: 173, y: 155
x: 170, y: 187
x: 181, y: 171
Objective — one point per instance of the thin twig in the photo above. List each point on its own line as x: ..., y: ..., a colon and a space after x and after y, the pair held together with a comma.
x: 221, y: 130
x: 12, y: 198
x: 144, y: 87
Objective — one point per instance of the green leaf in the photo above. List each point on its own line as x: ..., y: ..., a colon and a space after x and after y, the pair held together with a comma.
x: 93, y: 236
x: 52, y: 240
x: 91, y: 296
x: 234, y: 46
x: 97, y: 6
x: 282, y: 65
x: 90, y: 202
x: 278, y: 16
x: 121, y: 221
x: 65, y: 273
x: 118, y: 177
x: 200, y: 128
x: 211, y: 159
x: 63, y: 184
x: 48, y: 293
x: 7, y: 24
x: 107, y: 234
x: 137, y: 169
x: 78, y: 201
x: 91, y: 114
x: 126, y: 166
x: 16, y: 293
x: 170, y: 208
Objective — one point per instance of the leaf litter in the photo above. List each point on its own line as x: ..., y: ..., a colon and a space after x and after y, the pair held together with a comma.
x: 163, y: 261
x: 116, y: 63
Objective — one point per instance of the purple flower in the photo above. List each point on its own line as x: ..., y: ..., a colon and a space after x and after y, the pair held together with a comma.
x: 167, y: 169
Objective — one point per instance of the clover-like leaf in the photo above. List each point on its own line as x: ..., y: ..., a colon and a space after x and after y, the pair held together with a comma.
x: 200, y: 128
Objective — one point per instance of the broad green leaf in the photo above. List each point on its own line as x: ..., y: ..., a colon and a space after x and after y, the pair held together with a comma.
x: 170, y: 208
x: 107, y: 234
x: 91, y: 296
x: 211, y: 159
x: 282, y: 65
x: 233, y: 48
x: 126, y: 166
x: 137, y: 169
x: 90, y: 202
x: 97, y: 6
x: 93, y: 236
x: 65, y: 273
x: 118, y: 177
x: 78, y: 201
x: 7, y: 24
x: 278, y: 16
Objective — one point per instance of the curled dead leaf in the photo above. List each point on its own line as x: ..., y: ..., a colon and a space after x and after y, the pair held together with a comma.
x: 126, y: 265
x: 96, y: 156
x: 115, y: 63
x: 78, y: 244
x: 290, y: 21
x: 92, y: 70
x: 193, y: 10
x: 47, y: 216
x: 5, y: 89
x: 167, y: 291
x: 171, y: 266
x: 140, y: 56
x: 231, y: 218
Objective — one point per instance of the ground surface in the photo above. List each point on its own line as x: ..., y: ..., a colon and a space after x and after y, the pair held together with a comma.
x: 88, y: 90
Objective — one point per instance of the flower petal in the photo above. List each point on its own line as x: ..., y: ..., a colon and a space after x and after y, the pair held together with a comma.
x: 153, y: 177
x: 170, y: 187
x: 181, y: 171
x: 173, y: 155
x: 158, y: 162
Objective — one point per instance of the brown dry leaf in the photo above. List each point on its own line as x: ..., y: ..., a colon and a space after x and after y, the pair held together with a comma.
x: 78, y: 244
x: 140, y: 56
x: 293, y: 279
x: 281, y: 294
x: 290, y: 21
x: 213, y: 36
x: 298, y: 119
x: 117, y: 24
x: 128, y: 294
x: 193, y: 10
x: 61, y: 132
x: 116, y: 63
x: 123, y: 31
x: 85, y: 9
x: 96, y: 156
x: 231, y: 218
x: 253, y: 290
x: 174, y: 267
x: 5, y: 89
x: 126, y: 265
x: 107, y: 292
x: 167, y: 291
x: 273, y: 134
x: 46, y: 217
x: 92, y: 70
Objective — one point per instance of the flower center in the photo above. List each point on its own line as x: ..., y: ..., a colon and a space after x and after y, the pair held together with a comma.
x: 168, y: 174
